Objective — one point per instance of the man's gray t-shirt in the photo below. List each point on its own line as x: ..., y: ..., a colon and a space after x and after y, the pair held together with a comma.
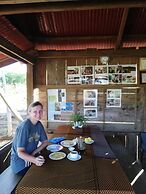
x: 27, y: 136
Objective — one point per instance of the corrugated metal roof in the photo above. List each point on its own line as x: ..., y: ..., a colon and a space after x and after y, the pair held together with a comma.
x: 51, y: 30
x: 80, y: 23
x: 89, y: 23
x: 134, y: 44
x: 8, y: 31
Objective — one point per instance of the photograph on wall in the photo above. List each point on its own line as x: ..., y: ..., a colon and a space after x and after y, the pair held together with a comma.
x: 57, y: 116
x: 101, y: 79
x: 142, y: 63
x: 129, y: 75
x: 73, y: 75
x: 115, y: 69
x: 87, y: 80
x: 90, y: 113
x: 113, y: 98
x: 101, y: 75
x: 90, y: 98
x: 73, y: 70
x: 90, y: 103
x: 143, y: 78
x: 87, y: 70
x: 57, y: 106
x: 115, y: 78
x: 100, y: 69
x: 73, y: 79
x: 61, y: 95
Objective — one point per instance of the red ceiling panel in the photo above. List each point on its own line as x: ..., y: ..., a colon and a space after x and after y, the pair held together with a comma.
x: 52, y: 30
x: 8, y: 31
x: 80, y: 23
x: 2, y: 56
x: 134, y: 44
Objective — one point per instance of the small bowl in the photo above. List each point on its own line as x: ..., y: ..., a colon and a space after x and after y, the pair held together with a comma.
x: 71, y: 148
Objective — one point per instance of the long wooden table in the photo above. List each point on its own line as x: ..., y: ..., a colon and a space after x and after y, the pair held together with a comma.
x: 94, y: 173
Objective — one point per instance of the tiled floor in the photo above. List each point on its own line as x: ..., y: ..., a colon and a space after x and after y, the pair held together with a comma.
x: 129, y: 165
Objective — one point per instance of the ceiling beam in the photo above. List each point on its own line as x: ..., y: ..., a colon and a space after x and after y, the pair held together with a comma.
x: 71, y: 38
x: 25, y: 1
x: 67, y: 5
x: 12, y: 51
x: 92, y: 53
x: 121, y: 29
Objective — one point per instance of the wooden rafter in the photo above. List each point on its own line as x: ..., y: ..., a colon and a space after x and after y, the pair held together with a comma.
x: 92, y: 53
x: 121, y: 29
x: 71, y: 38
x: 10, y: 50
x: 66, y: 5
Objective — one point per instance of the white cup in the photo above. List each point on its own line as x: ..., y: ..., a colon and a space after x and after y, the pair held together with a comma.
x: 74, y: 154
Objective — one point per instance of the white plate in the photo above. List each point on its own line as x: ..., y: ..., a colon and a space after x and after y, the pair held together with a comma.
x: 89, y: 142
x: 57, y: 155
x: 68, y: 143
x: 54, y: 147
x: 74, y: 159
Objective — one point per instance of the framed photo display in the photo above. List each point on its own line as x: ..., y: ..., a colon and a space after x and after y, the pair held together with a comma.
x: 142, y: 64
x: 143, y: 77
x: 104, y: 74
x: 129, y: 74
x: 90, y: 112
x: 90, y: 98
x: 113, y: 98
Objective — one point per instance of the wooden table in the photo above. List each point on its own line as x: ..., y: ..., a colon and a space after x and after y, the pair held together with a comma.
x: 92, y: 174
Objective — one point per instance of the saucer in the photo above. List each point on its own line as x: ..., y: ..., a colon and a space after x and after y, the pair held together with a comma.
x: 74, y: 159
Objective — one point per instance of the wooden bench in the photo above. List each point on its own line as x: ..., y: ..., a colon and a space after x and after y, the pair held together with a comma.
x: 8, y: 181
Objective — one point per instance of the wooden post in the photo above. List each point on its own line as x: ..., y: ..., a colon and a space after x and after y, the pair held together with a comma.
x: 29, y: 84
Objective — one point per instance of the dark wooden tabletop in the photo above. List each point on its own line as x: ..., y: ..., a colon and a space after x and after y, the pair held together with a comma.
x: 94, y: 173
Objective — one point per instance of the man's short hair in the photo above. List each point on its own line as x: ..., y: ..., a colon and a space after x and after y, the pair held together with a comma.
x: 33, y: 104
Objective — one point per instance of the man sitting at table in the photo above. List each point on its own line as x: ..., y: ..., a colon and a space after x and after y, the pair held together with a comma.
x: 28, y: 135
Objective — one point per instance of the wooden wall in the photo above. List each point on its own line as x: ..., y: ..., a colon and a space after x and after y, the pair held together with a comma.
x: 50, y: 74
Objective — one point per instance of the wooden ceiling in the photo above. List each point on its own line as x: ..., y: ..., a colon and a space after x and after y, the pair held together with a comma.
x: 38, y: 28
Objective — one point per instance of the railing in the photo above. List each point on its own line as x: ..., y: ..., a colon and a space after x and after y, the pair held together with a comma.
x: 8, y: 121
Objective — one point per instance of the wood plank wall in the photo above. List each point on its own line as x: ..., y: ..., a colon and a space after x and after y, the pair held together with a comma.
x: 50, y: 74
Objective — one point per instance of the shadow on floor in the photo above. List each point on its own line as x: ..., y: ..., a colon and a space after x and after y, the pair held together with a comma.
x: 129, y: 165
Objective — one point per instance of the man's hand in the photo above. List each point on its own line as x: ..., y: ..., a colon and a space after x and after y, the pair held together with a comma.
x: 39, y: 161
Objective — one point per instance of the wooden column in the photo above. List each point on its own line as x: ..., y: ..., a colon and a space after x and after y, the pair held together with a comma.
x: 29, y: 84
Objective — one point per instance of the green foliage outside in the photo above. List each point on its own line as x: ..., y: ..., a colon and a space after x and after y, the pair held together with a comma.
x: 14, y: 78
